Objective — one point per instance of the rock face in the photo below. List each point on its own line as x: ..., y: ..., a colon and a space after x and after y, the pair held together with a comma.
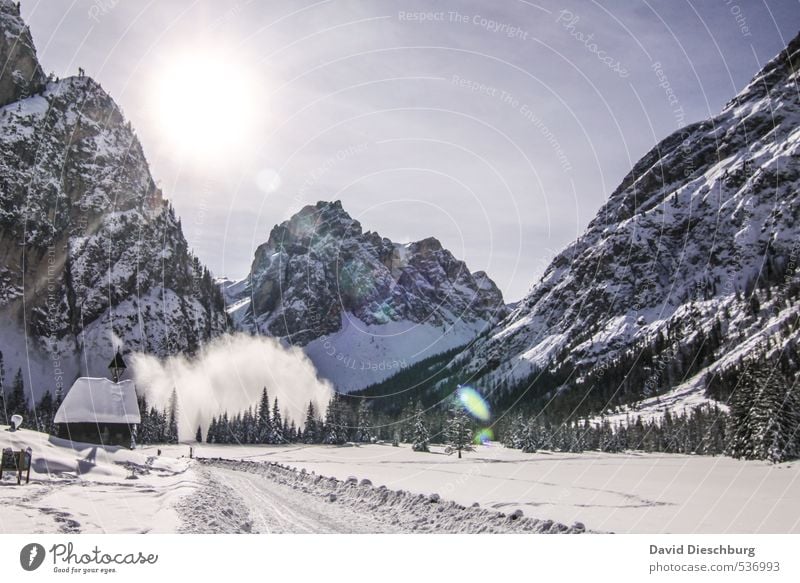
x: 691, y: 264
x: 21, y: 75
x: 91, y: 252
x: 357, y: 300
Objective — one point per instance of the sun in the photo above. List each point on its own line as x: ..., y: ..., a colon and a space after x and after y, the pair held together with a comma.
x: 204, y: 105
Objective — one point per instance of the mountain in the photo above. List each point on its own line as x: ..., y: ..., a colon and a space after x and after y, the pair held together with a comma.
x: 362, y: 306
x: 688, y: 269
x: 92, y: 253
x: 21, y: 75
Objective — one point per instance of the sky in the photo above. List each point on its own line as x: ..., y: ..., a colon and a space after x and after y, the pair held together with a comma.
x: 499, y: 127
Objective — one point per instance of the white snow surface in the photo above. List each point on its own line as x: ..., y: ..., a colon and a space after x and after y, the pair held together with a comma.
x: 624, y: 493
x: 79, y: 487
x: 98, y: 400
x: 379, y: 488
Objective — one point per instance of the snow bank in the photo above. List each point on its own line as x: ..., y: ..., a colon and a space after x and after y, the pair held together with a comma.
x: 407, y: 512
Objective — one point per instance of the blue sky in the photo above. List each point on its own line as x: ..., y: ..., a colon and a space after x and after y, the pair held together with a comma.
x: 498, y: 127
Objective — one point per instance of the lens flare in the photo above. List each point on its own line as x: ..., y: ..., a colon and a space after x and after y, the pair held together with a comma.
x: 484, y: 436
x: 474, y: 403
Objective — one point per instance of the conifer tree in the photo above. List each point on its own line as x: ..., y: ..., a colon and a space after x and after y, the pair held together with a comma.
x: 529, y: 441
x: 742, y: 422
x: 775, y: 419
x: 334, y: 429
x: 363, y: 423
x: 311, y: 429
x: 17, y: 401
x: 264, y: 424
x: 211, y: 434
x: 421, y: 436
x: 3, y: 406
x: 277, y: 424
x: 45, y: 413
x: 171, y: 430
x: 459, y: 432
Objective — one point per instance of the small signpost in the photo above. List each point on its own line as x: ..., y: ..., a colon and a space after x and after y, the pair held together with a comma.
x: 17, y: 461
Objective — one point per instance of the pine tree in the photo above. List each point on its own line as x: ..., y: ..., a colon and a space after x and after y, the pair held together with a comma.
x: 198, y: 437
x: 211, y: 434
x: 44, y: 413
x: 363, y: 423
x: 459, y: 433
x: 529, y: 441
x: 248, y: 426
x: 311, y: 428
x: 18, y: 401
x: 334, y: 429
x: 513, y: 437
x: 741, y: 405
x: 264, y: 423
x: 171, y: 429
x: 775, y: 419
x: 421, y: 435
x: 224, y: 429
x: 3, y: 406
x: 407, y: 420
x: 277, y: 424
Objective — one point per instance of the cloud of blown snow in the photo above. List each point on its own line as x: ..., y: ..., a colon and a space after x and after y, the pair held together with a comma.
x: 228, y: 374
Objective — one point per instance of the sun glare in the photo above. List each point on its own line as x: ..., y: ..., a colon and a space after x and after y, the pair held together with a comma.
x: 204, y: 105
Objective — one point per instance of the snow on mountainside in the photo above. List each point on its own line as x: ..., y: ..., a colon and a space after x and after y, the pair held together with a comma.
x: 20, y: 73
x: 688, y: 267
x: 91, y: 252
x: 361, y: 305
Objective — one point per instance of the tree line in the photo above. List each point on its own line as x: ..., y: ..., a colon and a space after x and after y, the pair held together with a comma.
x: 762, y: 422
x: 14, y: 401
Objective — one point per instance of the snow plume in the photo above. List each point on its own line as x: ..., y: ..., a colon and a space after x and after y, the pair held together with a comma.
x: 228, y: 374
x: 116, y: 341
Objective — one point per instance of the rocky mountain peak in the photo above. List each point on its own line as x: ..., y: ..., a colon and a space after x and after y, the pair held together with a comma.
x: 21, y: 76
x: 682, y: 273
x: 320, y: 275
x: 779, y: 74
x: 92, y: 254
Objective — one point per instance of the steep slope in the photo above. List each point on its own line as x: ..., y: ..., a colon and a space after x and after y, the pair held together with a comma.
x: 91, y: 252
x: 689, y: 266
x: 361, y: 305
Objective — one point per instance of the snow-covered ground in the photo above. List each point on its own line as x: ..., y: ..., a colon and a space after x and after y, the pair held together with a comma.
x: 634, y: 492
x: 85, y: 488
x: 77, y: 487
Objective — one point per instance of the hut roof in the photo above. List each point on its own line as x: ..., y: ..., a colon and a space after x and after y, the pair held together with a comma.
x: 91, y: 400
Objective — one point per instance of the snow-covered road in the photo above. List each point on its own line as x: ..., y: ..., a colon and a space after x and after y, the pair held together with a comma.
x: 237, y: 501
x: 240, y: 496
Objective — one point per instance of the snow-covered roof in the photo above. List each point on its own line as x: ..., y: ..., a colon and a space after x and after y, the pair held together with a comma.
x: 91, y: 400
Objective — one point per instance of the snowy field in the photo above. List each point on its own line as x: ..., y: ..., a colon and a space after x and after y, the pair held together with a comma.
x: 641, y: 493
x: 85, y: 488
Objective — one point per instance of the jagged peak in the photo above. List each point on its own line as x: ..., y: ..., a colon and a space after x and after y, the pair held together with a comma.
x: 780, y: 68
x: 20, y: 73
x: 9, y: 7
x: 428, y: 244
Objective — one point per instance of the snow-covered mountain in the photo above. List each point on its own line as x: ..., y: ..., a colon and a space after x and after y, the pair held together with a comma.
x: 362, y: 306
x: 91, y: 252
x: 689, y: 266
